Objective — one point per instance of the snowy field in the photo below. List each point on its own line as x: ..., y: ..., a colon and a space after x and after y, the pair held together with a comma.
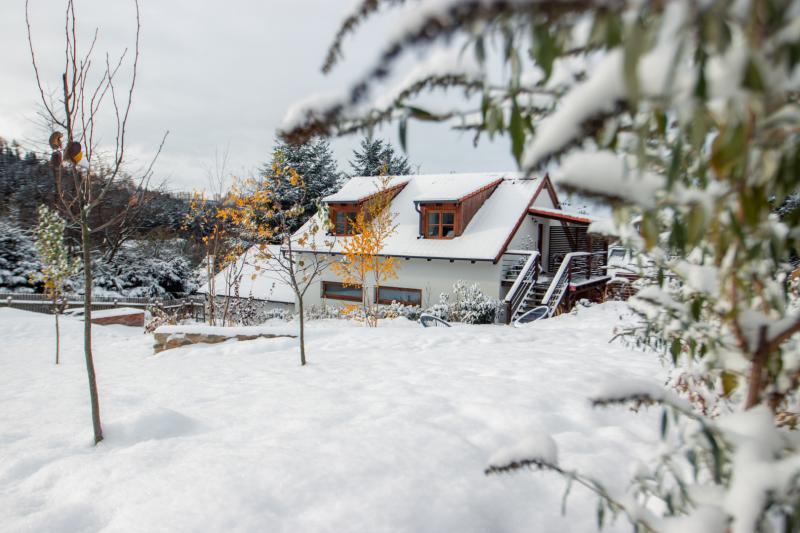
x: 387, y: 429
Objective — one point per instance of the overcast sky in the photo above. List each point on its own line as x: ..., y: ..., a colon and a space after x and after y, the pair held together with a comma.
x: 215, y: 78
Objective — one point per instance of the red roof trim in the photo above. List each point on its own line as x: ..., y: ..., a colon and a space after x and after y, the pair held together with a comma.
x: 491, y: 185
x: 394, y: 190
x: 546, y: 183
x: 551, y: 190
x: 517, y: 225
x: 546, y: 213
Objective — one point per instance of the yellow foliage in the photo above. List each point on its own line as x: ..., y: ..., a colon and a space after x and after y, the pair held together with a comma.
x: 362, y: 251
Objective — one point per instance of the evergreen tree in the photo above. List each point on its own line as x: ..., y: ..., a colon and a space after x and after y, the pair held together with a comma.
x: 377, y: 157
x: 313, y: 161
x: 19, y: 263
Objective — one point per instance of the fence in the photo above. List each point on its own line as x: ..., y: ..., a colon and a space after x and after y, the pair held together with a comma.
x: 39, y: 303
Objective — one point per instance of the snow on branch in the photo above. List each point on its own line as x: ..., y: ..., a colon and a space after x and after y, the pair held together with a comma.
x: 430, y: 21
x: 540, y: 453
x: 532, y: 451
x: 605, y: 175
x: 641, y: 392
x: 344, y: 113
x: 596, y: 96
x: 362, y: 11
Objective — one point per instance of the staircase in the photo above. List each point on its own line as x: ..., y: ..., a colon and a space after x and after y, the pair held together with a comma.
x: 577, y: 267
x: 521, y: 295
x: 530, y: 291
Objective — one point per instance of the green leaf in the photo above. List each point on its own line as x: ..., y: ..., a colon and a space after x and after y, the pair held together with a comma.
x: 633, y: 49
x: 613, y: 30
x: 716, y: 454
x: 729, y: 383
x: 752, y: 77
x: 675, y: 163
x: 601, y: 513
x: 480, y: 49
x: 696, y: 224
x: 545, y: 49
x: 564, y: 497
x: 696, y: 308
x: 516, y: 128
x: 650, y: 231
x: 421, y: 114
x: 403, y: 130
x: 701, y: 87
x: 675, y: 350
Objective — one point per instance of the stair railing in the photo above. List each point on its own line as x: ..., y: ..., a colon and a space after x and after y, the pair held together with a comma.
x: 522, y: 285
x: 560, y: 284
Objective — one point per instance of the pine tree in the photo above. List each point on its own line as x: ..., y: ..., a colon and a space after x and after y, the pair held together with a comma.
x: 313, y: 161
x: 377, y: 157
x: 18, y: 261
x: 57, y: 264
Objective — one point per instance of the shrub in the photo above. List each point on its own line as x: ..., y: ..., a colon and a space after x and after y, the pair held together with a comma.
x: 467, y: 304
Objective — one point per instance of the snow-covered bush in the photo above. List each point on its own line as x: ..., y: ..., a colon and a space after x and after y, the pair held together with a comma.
x: 396, y: 309
x: 131, y: 273
x: 322, y: 311
x: 466, y: 304
x: 245, y: 311
x: 19, y: 261
x: 686, y: 115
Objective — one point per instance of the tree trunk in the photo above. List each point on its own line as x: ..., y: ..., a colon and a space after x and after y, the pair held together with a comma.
x: 755, y: 379
x: 302, y: 333
x: 55, y: 310
x: 87, y: 326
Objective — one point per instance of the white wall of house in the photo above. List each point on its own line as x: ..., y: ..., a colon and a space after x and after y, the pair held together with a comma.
x: 431, y: 277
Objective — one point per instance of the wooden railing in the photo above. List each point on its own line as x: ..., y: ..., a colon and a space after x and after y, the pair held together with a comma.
x: 575, y: 266
x: 39, y: 303
x: 513, y: 262
x: 522, y: 285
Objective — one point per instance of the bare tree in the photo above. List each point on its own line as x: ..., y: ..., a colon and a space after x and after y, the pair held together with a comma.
x: 83, y: 173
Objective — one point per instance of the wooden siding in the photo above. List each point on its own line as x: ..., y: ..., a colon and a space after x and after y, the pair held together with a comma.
x: 471, y: 205
x: 564, y: 240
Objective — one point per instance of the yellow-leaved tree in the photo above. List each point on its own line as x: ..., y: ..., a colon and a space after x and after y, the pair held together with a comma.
x: 210, y: 222
x: 266, y: 212
x: 362, y: 263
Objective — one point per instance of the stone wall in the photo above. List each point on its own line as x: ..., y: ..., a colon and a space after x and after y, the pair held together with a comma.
x: 173, y: 339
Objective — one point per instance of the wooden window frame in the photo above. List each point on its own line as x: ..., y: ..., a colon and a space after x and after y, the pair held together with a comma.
x: 326, y: 296
x: 382, y: 301
x: 441, y: 209
x: 351, y: 212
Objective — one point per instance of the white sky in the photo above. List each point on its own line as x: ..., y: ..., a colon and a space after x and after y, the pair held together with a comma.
x: 216, y: 77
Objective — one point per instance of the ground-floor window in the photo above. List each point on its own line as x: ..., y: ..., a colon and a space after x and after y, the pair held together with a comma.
x: 387, y: 295
x: 337, y: 291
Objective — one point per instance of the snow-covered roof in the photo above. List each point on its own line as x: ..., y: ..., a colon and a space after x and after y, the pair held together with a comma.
x: 434, y: 187
x: 359, y: 188
x: 484, y: 237
x: 257, y: 279
x: 561, y: 214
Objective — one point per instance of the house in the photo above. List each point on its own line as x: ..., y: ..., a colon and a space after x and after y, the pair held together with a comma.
x: 504, y: 232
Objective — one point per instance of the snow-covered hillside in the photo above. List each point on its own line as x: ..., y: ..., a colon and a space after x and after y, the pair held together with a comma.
x: 387, y: 429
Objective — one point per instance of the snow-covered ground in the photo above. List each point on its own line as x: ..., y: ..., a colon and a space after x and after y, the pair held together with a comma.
x: 387, y: 429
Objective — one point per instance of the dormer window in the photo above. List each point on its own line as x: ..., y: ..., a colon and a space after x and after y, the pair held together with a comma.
x: 343, y: 219
x: 447, y: 218
x: 344, y: 206
x: 441, y: 224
